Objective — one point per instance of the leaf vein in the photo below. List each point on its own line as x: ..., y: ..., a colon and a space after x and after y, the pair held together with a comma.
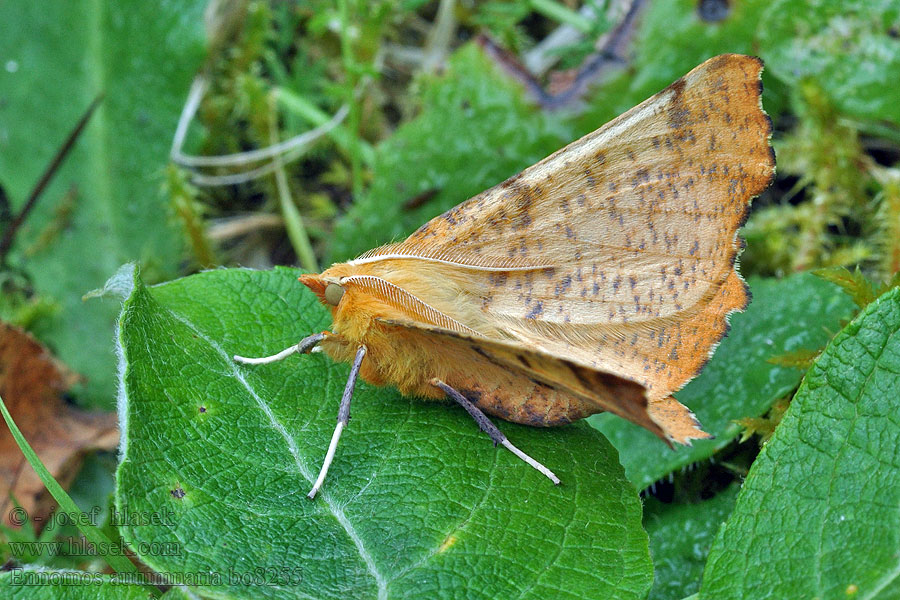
x: 336, y: 511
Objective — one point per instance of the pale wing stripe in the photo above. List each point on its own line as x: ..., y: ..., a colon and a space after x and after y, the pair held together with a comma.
x: 485, y: 264
x: 501, y: 265
x: 400, y: 298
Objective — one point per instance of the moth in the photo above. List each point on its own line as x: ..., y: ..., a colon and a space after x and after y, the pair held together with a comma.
x: 599, y: 279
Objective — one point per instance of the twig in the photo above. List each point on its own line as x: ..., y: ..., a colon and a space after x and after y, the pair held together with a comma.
x: 287, y: 150
x: 354, y: 119
x: 440, y: 37
x: 544, y: 55
x: 232, y: 227
x: 407, y: 57
x: 592, y: 69
x: 61, y: 154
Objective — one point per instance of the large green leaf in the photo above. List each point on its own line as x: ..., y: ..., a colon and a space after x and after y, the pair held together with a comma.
x: 797, y: 312
x: 57, y: 55
x: 48, y: 584
x: 474, y: 130
x: 417, y: 502
x: 680, y: 539
x: 819, y: 512
x: 849, y: 48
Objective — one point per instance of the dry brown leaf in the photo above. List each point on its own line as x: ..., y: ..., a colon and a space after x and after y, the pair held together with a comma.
x: 32, y: 384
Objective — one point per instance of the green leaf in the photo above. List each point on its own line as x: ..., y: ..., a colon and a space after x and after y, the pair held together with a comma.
x: 52, y: 584
x: 797, y: 312
x: 680, y: 539
x: 474, y: 130
x: 56, y: 58
x: 818, y: 514
x: 417, y: 501
x: 850, y: 48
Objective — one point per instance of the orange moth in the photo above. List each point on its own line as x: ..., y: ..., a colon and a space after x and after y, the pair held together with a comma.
x: 599, y: 279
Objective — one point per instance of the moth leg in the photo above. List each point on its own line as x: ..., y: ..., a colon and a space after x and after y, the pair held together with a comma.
x: 305, y: 345
x: 489, y: 428
x: 342, y: 420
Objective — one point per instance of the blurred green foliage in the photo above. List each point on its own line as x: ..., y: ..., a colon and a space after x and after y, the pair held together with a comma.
x: 447, y: 123
x: 432, y: 119
x: 444, y: 150
x: 104, y: 206
x: 680, y: 539
x: 797, y: 312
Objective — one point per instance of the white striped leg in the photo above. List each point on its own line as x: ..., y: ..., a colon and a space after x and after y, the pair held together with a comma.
x: 489, y: 428
x: 342, y: 420
x: 307, y: 344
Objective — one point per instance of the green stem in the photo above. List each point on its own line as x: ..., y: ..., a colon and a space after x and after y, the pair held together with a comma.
x: 353, y: 118
x: 890, y: 211
x: 561, y: 14
x: 316, y: 117
x: 117, y: 562
x: 293, y: 221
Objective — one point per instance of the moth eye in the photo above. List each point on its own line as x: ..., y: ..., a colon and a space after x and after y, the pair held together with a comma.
x: 333, y: 294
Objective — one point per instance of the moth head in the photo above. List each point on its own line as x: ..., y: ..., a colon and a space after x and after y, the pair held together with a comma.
x: 328, y: 289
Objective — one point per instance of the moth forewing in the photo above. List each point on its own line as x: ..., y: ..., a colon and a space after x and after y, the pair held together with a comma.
x: 634, y: 228
x: 599, y: 279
